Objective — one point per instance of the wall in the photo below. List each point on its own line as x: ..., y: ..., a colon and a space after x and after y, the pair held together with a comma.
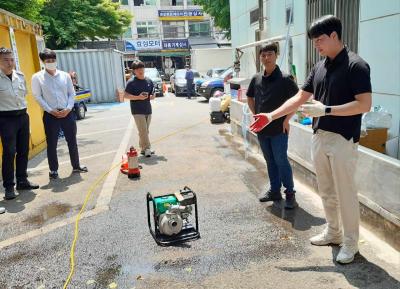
x: 101, y: 71
x: 379, y: 45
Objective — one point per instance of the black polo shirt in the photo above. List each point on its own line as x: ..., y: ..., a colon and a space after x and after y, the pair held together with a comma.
x: 337, y: 82
x: 270, y: 92
x: 136, y: 86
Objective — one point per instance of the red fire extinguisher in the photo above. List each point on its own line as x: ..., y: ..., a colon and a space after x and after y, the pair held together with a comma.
x: 133, y: 165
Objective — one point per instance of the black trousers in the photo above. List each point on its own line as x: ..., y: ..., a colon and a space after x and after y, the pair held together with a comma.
x: 14, y: 132
x: 52, y: 127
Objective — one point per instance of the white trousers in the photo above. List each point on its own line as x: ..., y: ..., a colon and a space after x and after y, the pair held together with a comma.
x: 335, y: 160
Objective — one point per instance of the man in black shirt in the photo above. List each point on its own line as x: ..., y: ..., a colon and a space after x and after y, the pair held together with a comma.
x: 140, y: 90
x: 341, y: 86
x: 268, y: 91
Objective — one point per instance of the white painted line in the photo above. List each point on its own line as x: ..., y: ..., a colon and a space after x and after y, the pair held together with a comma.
x: 96, y: 119
x: 49, y: 228
x: 68, y: 161
x: 100, y: 132
x: 105, y: 195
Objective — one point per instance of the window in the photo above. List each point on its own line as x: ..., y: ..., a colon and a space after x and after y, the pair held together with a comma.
x: 197, y: 29
x: 150, y: 2
x: 127, y: 33
x: 254, y: 15
x: 174, y: 29
x: 177, y: 2
x: 289, y: 15
x: 124, y: 2
x: 190, y: 3
x: 347, y: 11
x: 147, y: 29
x: 138, y: 2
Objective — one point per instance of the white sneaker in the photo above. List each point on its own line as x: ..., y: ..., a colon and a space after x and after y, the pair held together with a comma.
x: 2, y: 210
x: 325, y: 238
x: 346, y: 254
x: 147, y: 153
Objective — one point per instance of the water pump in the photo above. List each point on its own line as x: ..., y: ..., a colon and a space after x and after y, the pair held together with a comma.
x: 169, y: 217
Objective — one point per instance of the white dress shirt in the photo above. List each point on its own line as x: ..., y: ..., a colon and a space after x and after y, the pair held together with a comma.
x: 53, y: 92
x: 12, y: 91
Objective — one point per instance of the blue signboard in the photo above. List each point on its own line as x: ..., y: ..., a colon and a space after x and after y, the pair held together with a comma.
x: 142, y: 44
x: 187, y: 14
x: 175, y: 44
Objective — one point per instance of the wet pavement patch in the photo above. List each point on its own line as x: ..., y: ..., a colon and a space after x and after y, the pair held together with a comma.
x: 108, y: 273
x: 48, y: 212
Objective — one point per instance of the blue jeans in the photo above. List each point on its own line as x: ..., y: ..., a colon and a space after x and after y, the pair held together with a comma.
x: 274, y: 149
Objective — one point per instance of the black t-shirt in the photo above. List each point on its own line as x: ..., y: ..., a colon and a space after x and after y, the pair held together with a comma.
x: 135, y: 87
x: 270, y: 92
x: 337, y: 82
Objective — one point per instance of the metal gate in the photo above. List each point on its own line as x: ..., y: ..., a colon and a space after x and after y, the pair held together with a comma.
x: 346, y: 10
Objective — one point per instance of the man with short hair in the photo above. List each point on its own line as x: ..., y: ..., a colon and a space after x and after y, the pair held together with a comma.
x: 189, y: 76
x: 341, y: 86
x: 267, y: 91
x: 14, y: 126
x: 140, y: 90
x: 54, y: 91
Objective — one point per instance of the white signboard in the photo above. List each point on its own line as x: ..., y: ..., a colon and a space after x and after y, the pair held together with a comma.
x: 14, y: 49
x: 142, y: 44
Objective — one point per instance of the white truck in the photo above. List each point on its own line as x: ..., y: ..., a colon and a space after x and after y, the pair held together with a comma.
x: 204, y: 59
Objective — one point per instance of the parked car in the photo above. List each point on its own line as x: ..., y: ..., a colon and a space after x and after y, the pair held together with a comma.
x: 211, y: 73
x: 178, y: 81
x: 215, y: 72
x: 210, y: 86
x: 155, y: 76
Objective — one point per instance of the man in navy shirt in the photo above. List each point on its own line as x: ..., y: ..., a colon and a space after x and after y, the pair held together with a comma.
x: 140, y: 90
x: 189, y: 82
x: 341, y: 86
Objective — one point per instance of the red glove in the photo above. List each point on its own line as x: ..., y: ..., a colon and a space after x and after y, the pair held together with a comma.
x: 260, y: 122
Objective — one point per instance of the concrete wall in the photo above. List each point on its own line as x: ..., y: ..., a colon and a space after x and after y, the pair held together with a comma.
x: 377, y: 176
x: 379, y: 45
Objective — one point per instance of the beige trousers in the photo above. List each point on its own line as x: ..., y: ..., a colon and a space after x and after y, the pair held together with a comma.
x: 335, y: 160
x: 143, y: 123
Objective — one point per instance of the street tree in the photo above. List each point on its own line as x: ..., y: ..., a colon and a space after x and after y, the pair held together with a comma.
x: 220, y: 11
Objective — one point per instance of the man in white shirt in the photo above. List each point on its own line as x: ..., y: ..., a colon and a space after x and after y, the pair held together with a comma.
x: 54, y: 91
x: 14, y: 126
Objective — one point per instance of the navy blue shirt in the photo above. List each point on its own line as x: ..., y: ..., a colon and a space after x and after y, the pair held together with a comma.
x: 189, y: 75
x: 337, y: 82
x: 136, y: 86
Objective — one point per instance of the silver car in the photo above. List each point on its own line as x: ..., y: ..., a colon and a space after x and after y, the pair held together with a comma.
x: 178, y: 81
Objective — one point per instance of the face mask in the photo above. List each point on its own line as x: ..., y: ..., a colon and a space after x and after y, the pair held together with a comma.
x: 51, y: 66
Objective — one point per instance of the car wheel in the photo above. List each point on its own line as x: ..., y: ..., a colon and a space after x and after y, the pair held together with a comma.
x: 80, y: 111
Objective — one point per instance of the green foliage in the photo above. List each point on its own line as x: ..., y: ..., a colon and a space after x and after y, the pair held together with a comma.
x: 65, y: 22
x: 28, y: 9
x: 220, y: 10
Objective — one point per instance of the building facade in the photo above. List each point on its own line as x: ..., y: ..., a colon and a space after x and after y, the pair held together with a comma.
x: 371, y: 29
x: 162, y: 32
